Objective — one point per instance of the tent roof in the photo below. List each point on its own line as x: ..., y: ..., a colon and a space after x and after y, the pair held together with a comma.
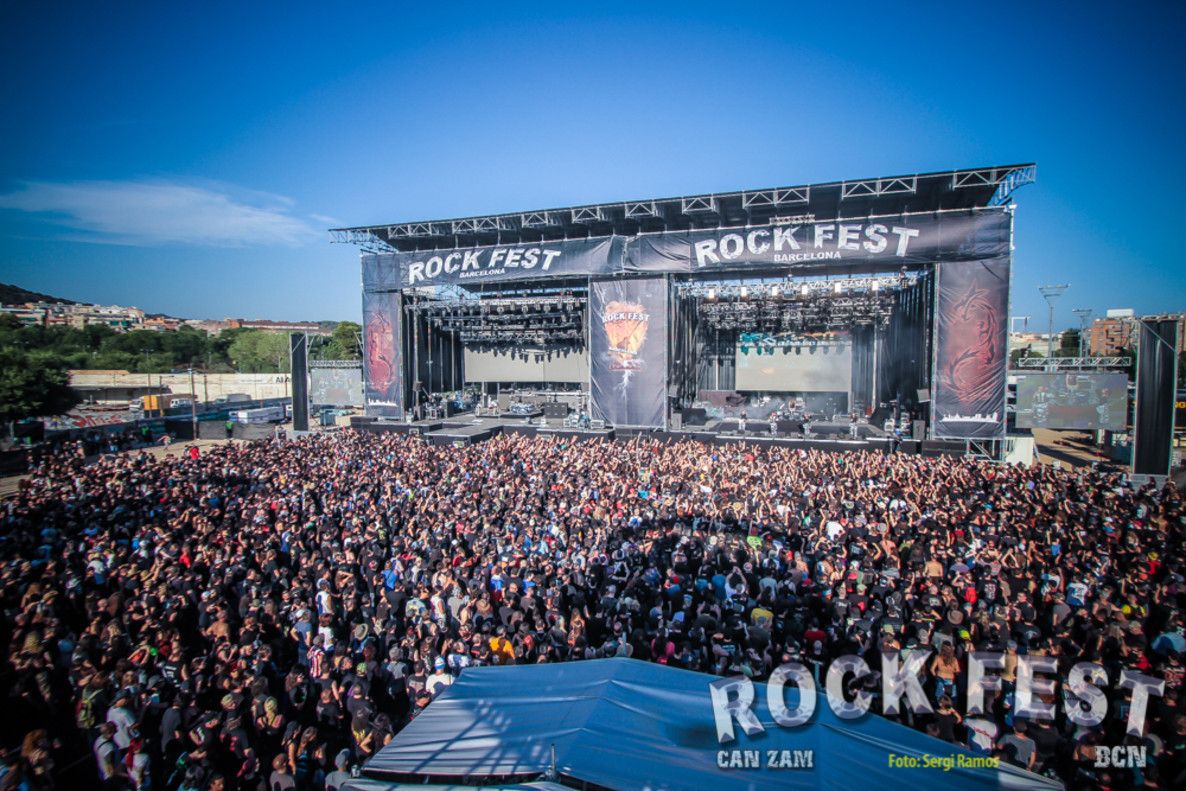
x: 622, y: 723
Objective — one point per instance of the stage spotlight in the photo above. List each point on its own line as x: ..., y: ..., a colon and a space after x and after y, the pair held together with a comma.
x: 774, y: 291
x: 804, y: 290
x: 745, y: 350
x: 875, y: 287
x: 798, y: 350
x: 712, y: 293
x: 744, y: 292
x: 838, y: 288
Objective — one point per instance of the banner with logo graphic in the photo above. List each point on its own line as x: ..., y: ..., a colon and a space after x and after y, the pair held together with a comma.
x: 498, y: 264
x: 892, y: 241
x: 382, y: 335
x: 971, y: 349
x: 628, y: 351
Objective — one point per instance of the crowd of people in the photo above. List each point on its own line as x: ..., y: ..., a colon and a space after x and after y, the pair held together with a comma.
x: 269, y: 615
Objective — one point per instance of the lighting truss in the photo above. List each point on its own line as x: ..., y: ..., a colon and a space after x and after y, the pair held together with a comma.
x: 797, y: 306
x: 549, y: 321
x: 1071, y: 363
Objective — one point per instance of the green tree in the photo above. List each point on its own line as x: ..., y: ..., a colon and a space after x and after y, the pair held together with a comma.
x: 32, y: 385
x: 343, y: 343
x: 1068, y: 344
x: 259, y: 351
x: 1024, y: 353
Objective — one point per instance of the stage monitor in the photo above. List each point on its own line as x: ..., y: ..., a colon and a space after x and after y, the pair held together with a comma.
x: 335, y: 386
x: 1084, y: 401
x: 794, y: 371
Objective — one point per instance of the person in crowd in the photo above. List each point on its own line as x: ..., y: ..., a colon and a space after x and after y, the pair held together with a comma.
x: 267, y: 616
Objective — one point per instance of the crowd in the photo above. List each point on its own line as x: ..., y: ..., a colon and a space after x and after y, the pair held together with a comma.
x: 269, y: 615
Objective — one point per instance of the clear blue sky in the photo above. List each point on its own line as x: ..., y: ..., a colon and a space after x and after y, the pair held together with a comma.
x: 187, y: 157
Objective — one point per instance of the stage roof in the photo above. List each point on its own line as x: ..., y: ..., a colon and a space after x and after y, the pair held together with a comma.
x: 888, y: 195
x: 623, y: 723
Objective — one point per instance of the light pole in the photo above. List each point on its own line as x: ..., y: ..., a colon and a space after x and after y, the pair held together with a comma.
x: 1051, y: 293
x: 1084, y: 315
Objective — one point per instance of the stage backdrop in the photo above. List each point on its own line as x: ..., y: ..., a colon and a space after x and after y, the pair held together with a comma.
x: 382, y: 333
x: 971, y: 354
x: 628, y: 348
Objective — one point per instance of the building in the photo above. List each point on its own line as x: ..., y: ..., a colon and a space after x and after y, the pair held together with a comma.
x: 1119, y: 331
x: 208, y: 326
x: 1112, y: 334
x: 1031, y: 341
x: 52, y: 314
x: 162, y: 323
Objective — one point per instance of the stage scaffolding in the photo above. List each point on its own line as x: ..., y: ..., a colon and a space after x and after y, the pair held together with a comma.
x: 784, y: 271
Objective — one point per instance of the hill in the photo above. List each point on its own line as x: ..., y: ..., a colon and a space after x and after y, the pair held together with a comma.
x: 15, y: 295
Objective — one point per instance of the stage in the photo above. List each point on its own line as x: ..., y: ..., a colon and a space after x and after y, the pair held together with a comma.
x: 468, y: 430
x: 881, y: 299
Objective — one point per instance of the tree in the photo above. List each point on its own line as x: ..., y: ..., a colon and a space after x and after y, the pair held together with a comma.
x: 1023, y: 353
x: 1068, y: 344
x: 258, y: 351
x: 343, y: 343
x: 32, y: 385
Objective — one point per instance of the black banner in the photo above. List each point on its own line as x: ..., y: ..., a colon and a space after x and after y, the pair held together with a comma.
x: 898, y: 240
x: 971, y: 349
x: 1157, y: 357
x: 382, y: 334
x: 628, y: 351
x: 503, y: 263
x: 891, y: 241
x: 379, y: 272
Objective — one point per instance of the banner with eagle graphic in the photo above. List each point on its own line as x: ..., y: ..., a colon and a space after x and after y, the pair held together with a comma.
x: 628, y: 351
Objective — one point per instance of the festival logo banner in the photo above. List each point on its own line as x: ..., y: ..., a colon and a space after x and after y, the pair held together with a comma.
x: 897, y: 240
x: 382, y: 331
x: 503, y: 263
x: 971, y: 343
x: 628, y: 344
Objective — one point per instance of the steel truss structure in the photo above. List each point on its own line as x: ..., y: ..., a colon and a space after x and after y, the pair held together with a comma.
x: 1071, y: 363
x: 887, y: 195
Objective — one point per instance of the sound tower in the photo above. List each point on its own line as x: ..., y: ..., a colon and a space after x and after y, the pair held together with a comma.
x: 298, y: 344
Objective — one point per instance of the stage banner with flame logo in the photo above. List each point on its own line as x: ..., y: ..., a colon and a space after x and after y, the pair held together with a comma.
x: 971, y: 349
x: 382, y: 337
x: 628, y: 345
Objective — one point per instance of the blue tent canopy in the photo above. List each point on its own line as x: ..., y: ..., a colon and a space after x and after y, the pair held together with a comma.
x: 627, y: 724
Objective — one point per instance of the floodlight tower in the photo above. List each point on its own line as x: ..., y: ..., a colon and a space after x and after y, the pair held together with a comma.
x: 1051, y: 293
x: 1084, y: 315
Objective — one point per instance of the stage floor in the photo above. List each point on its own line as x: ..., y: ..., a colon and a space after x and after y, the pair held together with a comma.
x: 466, y: 430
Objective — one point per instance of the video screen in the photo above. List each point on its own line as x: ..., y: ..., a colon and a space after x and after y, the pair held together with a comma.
x: 1088, y: 402
x: 826, y: 369
x: 335, y: 386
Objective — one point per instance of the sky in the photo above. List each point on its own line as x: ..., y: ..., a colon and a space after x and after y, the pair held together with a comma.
x: 188, y: 158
